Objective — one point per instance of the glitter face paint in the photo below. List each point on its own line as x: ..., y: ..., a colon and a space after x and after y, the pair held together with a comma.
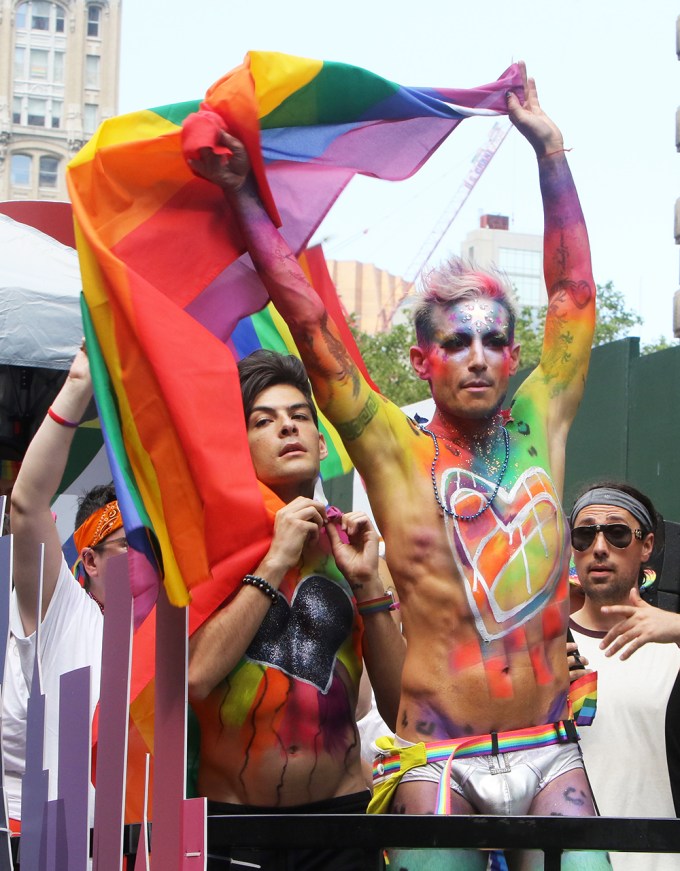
x: 471, y: 358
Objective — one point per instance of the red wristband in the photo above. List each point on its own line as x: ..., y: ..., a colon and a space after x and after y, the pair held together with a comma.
x: 57, y: 418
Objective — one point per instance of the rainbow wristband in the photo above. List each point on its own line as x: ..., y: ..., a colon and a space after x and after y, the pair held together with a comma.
x: 380, y: 603
x: 57, y: 418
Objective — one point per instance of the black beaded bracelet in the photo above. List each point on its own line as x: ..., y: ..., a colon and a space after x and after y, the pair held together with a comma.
x: 261, y: 584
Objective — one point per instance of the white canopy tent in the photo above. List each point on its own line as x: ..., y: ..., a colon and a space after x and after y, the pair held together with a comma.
x: 40, y: 332
x: 40, y: 323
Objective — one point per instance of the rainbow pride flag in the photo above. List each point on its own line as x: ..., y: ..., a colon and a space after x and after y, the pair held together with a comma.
x: 583, y: 698
x: 267, y: 329
x: 165, y: 282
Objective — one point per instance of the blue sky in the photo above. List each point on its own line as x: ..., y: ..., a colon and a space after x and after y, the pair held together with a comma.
x: 606, y: 71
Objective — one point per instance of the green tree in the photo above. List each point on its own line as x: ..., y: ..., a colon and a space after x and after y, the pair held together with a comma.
x: 387, y: 359
x: 387, y: 354
x: 529, y: 334
x: 660, y: 345
x: 614, y: 321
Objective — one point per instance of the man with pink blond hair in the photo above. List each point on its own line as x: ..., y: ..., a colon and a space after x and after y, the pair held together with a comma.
x: 469, y: 507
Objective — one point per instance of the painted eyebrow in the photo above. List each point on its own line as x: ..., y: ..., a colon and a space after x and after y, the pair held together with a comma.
x: 468, y: 330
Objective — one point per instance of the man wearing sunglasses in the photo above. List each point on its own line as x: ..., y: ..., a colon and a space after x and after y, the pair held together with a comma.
x: 631, y: 646
x: 71, y: 616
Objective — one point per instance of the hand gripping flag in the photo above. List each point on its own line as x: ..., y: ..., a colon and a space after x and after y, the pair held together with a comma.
x: 164, y: 282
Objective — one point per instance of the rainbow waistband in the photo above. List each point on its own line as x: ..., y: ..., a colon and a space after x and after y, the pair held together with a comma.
x: 562, y: 732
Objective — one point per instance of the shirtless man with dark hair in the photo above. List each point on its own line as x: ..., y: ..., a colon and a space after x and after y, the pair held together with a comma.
x: 274, y: 675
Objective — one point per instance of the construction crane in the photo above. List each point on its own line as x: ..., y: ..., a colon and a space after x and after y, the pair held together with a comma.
x: 480, y: 162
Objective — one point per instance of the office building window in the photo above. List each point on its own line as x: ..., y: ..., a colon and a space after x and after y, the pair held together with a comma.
x: 94, y: 14
x: 36, y: 112
x: 19, y: 61
x: 49, y: 171
x: 20, y: 171
x: 55, y: 114
x: 40, y: 15
x: 16, y: 110
x: 90, y: 118
x: 58, y: 67
x: 92, y: 71
x: 521, y: 260
x: 39, y: 61
x: 524, y: 269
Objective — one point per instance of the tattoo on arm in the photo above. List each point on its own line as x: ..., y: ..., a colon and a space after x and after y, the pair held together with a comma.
x: 352, y: 429
x: 580, y: 292
x: 562, y: 253
x: 559, y: 351
x: 341, y: 356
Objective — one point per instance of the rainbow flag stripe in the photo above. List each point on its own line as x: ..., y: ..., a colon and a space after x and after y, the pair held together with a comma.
x: 267, y: 329
x: 479, y: 745
x: 451, y: 749
x: 165, y: 283
x: 583, y: 697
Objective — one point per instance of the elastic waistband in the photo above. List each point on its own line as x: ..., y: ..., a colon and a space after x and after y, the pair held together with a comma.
x: 354, y: 803
x: 492, y: 744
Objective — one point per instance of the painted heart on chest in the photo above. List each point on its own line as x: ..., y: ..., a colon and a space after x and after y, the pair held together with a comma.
x: 303, y: 639
x: 511, y: 557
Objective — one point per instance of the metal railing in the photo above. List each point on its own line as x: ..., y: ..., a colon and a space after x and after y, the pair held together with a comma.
x: 551, y: 835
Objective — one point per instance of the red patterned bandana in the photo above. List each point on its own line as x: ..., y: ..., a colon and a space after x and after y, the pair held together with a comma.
x: 98, y: 526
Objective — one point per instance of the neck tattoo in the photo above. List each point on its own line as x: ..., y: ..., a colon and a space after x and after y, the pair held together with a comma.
x: 433, y: 475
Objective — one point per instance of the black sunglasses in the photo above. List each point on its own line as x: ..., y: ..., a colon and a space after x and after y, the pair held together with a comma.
x: 617, y: 534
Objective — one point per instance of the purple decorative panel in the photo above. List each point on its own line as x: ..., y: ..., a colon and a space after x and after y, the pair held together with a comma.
x: 170, y: 736
x: 113, y: 719
x: 75, y: 741
x: 194, y: 834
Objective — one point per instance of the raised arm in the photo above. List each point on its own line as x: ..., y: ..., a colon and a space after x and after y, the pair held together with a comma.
x: 357, y: 412
x: 570, y: 321
x: 35, y: 488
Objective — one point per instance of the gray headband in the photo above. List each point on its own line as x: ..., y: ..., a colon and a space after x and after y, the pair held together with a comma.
x: 611, y: 496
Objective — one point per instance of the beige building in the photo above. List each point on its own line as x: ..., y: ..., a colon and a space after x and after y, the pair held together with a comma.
x: 518, y: 255
x: 370, y: 294
x: 58, y: 80
x: 378, y: 299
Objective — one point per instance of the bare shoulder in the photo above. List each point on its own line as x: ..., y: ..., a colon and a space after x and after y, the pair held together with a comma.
x: 384, y: 444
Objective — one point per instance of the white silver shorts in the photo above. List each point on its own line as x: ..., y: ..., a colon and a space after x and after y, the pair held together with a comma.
x: 503, y: 784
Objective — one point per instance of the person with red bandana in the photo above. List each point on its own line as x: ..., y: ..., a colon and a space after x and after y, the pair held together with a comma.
x: 71, y: 613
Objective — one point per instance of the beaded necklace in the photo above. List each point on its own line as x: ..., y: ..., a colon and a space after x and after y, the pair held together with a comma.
x: 433, y: 475
x: 95, y: 599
